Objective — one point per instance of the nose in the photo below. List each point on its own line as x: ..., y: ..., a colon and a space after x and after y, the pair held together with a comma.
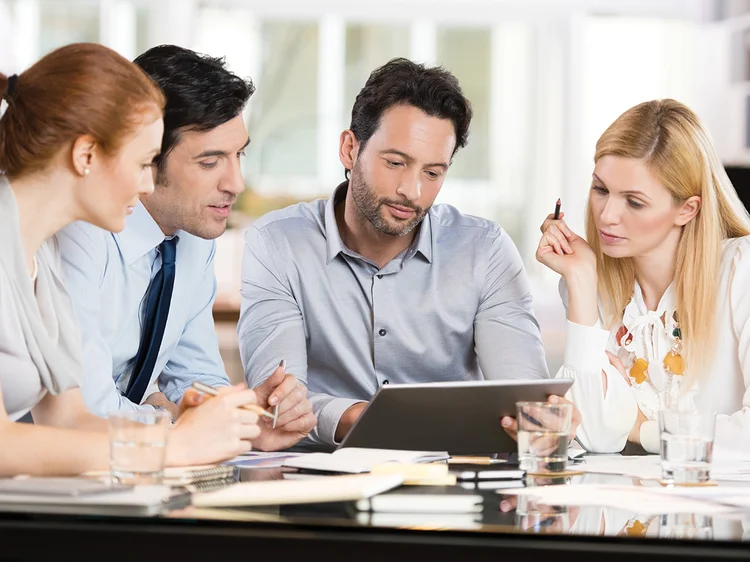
x: 610, y: 213
x: 410, y: 186
x: 233, y: 182
x: 147, y: 185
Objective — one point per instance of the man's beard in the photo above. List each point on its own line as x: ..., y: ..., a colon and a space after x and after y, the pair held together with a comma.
x: 370, y: 207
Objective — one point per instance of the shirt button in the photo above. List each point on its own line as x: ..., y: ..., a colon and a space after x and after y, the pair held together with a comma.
x: 386, y: 381
x: 382, y: 332
x: 380, y: 276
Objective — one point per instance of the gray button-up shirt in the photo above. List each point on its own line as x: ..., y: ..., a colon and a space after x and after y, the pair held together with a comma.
x: 454, y: 306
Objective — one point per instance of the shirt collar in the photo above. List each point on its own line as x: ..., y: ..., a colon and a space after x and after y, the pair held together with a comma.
x: 140, y: 236
x: 334, y: 245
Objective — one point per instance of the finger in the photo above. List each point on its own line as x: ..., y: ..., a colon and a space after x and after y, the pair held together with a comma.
x: 299, y: 410
x: 303, y: 424
x: 510, y: 426
x: 240, y: 398
x: 557, y: 233
x: 244, y: 446
x: 509, y: 504
x: 248, y: 431
x: 546, y: 223
x: 286, y: 389
x: 247, y: 417
x: 554, y: 242
x: 191, y: 399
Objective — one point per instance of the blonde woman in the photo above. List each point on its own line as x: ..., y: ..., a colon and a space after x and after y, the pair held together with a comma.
x: 658, y: 299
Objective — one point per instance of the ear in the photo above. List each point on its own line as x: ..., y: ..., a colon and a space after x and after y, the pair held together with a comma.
x: 348, y: 149
x: 82, y: 154
x: 688, y: 211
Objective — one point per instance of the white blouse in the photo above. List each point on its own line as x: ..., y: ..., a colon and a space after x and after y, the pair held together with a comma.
x: 606, y: 420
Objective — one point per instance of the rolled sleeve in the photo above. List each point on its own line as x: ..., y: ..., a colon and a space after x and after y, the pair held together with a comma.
x: 329, y: 410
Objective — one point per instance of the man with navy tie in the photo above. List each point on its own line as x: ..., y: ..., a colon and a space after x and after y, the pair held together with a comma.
x: 144, y: 296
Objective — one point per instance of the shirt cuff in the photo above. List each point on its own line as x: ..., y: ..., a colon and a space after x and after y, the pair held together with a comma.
x: 585, y: 346
x: 329, y: 416
x: 650, y: 436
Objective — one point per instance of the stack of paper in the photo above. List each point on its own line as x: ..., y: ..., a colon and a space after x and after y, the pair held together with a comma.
x: 281, y: 492
x: 354, y: 460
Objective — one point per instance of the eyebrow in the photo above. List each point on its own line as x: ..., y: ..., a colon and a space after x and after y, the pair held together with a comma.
x: 207, y: 153
x: 629, y: 192
x: 411, y: 159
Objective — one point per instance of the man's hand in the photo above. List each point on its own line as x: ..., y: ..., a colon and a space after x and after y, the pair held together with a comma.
x: 160, y: 399
x: 347, y: 420
x: 510, y: 425
x: 295, y: 420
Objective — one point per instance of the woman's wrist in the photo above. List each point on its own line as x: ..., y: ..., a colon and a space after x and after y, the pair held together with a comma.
x: 582, y: 297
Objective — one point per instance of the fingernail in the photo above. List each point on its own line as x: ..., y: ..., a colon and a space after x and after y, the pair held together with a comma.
x: 554, y: 399
x: 505, y: 422
x: 272, y: 400
x: 283, y: 364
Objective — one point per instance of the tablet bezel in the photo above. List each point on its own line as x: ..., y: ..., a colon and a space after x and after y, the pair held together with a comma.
x: 438, y: 420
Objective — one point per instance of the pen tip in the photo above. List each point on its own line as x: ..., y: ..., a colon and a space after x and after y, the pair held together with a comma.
x: 558, y: 201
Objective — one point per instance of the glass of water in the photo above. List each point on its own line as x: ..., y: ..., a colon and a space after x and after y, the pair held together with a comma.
x: 687, y: 443
x: 543, y: 436
x: 137, y: 446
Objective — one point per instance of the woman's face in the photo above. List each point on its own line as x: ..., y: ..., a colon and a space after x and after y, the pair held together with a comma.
x: 633, y: 212
x: 115, y: 183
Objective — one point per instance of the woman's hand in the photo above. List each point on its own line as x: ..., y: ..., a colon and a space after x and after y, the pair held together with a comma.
x: 563, y: 251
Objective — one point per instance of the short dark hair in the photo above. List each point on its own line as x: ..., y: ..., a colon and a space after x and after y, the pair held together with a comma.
x: 201, y: 92
x: 403, y: 82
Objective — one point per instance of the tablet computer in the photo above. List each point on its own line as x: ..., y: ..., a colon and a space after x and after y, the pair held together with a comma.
x: 462, y: 418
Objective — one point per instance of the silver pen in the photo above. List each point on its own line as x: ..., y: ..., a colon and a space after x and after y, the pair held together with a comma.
x: 276, y: 408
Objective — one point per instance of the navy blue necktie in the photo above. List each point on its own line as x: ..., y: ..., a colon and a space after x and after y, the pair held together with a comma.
x: 154, y: 322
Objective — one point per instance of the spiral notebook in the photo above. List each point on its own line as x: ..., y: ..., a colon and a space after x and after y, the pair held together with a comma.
x: 180, y: 476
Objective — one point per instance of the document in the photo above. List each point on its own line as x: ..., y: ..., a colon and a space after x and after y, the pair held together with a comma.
x: 354, y: 460
x: 281, y: 492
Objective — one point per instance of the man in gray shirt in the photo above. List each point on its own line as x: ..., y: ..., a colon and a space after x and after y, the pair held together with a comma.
x: 376, y: 285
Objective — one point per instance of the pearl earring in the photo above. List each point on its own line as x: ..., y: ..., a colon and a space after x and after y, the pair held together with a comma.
x: 86, y: 171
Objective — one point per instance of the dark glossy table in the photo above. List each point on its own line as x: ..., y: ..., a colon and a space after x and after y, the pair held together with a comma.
x: 337, y: 532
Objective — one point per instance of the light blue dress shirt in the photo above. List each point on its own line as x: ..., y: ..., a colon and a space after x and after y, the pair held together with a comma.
x: 454, y: 306
x: 107, y: 276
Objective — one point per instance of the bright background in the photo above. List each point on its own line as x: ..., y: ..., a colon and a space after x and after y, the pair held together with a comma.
x: 545, y: 79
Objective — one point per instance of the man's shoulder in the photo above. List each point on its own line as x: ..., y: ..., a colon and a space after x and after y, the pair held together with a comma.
x: 449, y: 219
x: 299, y: 219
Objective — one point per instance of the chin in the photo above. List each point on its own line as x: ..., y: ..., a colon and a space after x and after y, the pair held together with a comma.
x: 616, y: 252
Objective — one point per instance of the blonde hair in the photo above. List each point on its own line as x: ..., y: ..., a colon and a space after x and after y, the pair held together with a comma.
x: 671, y: 141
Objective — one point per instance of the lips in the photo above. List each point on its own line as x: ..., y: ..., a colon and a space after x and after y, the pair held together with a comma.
x: 400, y: 212
x: 221, y: 209
x: 608, y: 238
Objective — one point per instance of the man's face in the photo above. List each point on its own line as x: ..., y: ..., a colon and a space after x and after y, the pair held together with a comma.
x: 201, y: 181
x: 399, y: 172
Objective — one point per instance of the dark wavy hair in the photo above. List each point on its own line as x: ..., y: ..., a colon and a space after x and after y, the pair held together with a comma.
x: 403, y: 82
x: 201, y: 92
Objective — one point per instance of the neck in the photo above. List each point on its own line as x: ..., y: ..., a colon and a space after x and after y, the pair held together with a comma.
x: 45, y: 206
x: 655, y: 271
x: 151, y: 203
x: 360, y: 236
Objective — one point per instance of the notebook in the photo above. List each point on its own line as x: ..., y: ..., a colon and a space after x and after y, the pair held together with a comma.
x: 427, y: 499
x: 354, y: 460
x: 487, y: 472
x: 138, y: 501
x: 350, y: 487
x: 177, y: 476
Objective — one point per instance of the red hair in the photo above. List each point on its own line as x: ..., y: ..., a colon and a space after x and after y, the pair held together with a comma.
x: 80, y: 89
